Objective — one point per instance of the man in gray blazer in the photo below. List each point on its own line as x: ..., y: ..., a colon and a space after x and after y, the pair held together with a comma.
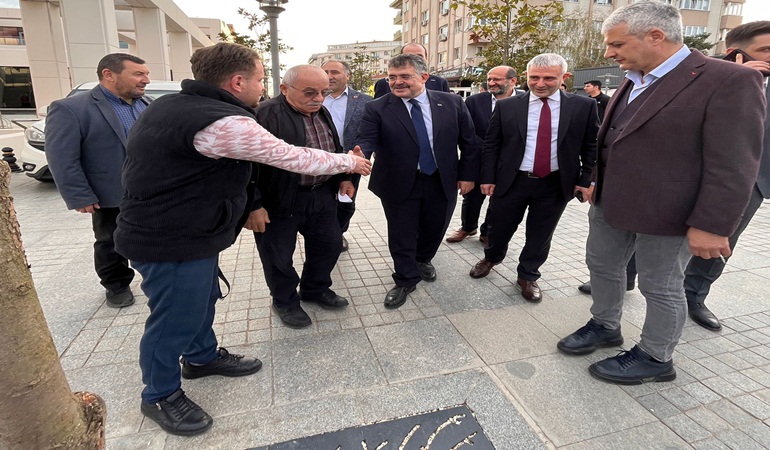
x: 346, y: 106
x: 85, y: 147
x: 754, y: 39
x: 670, y: 183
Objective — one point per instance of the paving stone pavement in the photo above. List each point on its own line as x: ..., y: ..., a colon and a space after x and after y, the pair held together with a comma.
x: 456, y: 341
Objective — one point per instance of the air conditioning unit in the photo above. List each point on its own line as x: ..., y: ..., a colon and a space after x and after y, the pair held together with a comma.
x: 444, y: 12
x: 424, y: 22
x: 442, y: 37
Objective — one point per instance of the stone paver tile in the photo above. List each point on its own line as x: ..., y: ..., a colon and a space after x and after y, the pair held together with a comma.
x: 711, y: 444
x: 658, y: 405
x: 722, y: 386
x: 745, y: 383
x: 686, y: 428
x: 760, y: 375
x: 708, y: 420
x: 701, y: 393
x: 737, y: 439
x: 731, y: 413
x: 760, y: 432
x: 653, y: 436
x: 753, y: 405
x: 680, y: 398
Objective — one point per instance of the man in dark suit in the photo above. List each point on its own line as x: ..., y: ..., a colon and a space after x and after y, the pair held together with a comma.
x: 414, y: 134
x: 594, y: 90
x: 501, y: 84
x: 434, y: 83
x: 538, y: 153
x: 300, y: 204
x: 346, y: 105
x: 85, y: 148
x: 754, y: 39
x: 665, y: 185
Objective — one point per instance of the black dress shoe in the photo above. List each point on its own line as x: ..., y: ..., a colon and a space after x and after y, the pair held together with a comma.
x: 327, y: 300
x: 293, y: 316
x: 120, y: 298
x: 702, y: 316
x: 634, y: 366
x: 590, y: 337
x: 179, y: 415
x: 427, y: 271
x: 345, y: 244
x: 226, y: 364
x: 586, y: 287
x: 397, y: 296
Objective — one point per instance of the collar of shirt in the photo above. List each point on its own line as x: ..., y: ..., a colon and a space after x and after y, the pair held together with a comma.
x: 331, y: 98
x: 556, y: 97
x: 665, y: 67
x: 422, y: 98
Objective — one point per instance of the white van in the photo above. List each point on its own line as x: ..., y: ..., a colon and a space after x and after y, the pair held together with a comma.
x: 33, y: 159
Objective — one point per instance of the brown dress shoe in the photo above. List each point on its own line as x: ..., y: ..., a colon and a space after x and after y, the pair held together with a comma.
x: 482, y: 268
x: 484, y: 240
x: 459, y: 235
x: 530, y: 290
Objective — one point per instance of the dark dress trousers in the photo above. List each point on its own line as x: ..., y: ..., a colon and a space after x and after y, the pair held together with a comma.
x: 417, y: 206
x: 516, y: 192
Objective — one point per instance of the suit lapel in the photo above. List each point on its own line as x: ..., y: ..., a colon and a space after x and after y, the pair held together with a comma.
x: 565, y: 115
x: 352, y: 106
x: 522, y: 113
x: 437, y: 109
x: 109, y: 114
x: 398, y: 108
x: 670, y: 86
x: 610, y: 110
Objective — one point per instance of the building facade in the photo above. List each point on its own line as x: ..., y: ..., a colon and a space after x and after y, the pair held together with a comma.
x: 378, y: 52
x: 453, y: 53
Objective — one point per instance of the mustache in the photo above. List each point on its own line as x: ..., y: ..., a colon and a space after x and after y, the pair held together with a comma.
x: 315, y: 103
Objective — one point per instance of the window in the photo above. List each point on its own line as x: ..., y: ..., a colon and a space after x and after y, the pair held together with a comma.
x: 406, y: 26
x: 459, y: 25
x: 694, y: 31
x: 571, y: 1
x: 424, y: 17
x: 425, y: 39
x: 457, y: 53
x: 443, y: 7
x: 441, y: 57
x: 700, y: 5
x: 11, y: 36
x: 479, y: 51
x: 406, y: 6
x: 473, y: 21
x: 443, y: 30
x: 734, y: 9
x: 603, y: 2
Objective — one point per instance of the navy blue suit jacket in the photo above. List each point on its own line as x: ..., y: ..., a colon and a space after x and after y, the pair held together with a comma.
x: 85, y: 148
x: 386, y: 129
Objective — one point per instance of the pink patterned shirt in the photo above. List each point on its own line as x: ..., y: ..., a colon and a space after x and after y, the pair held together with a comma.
x: 241, y: 137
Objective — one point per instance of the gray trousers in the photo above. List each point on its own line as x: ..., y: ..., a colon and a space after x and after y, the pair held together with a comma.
x: 701, y: 273
x: 660, y: 260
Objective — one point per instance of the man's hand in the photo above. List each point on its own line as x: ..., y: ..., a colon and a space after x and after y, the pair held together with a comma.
x: 707, y: 245
x: 488, y: 189
x: 89, y: 209
x: 363, y: 165
x: 347, y: 188
x: 465, y: 186
x: 257, y: 221
x: 762, y: 66
x: 585, y: 193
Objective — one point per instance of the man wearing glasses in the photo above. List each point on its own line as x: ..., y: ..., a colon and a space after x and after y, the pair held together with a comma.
x: 434, y: 82
x: 501, y: 82
x: 291, y: 203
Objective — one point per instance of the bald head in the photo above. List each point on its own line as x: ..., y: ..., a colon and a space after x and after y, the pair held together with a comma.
x: 305, y: 87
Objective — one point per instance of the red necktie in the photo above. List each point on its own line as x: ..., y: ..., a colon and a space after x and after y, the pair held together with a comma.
x: 542, y: 166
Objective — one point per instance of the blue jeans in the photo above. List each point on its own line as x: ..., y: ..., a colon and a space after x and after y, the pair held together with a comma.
x: 660, y: 261
x: 182, y: 298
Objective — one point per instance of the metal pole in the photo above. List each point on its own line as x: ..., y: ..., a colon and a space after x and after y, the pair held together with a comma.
x: 271, y: 10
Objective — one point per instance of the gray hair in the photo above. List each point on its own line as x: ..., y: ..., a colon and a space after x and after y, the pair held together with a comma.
x: 293, y: 73
x: 548, y: 60
x: 642, y: 17
x: 406, y: 60
x: 344, y: 64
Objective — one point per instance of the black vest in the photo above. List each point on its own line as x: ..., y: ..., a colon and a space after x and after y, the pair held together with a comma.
x: 179, y: 204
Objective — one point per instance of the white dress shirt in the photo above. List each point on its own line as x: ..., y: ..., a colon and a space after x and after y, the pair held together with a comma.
x: 533, y: 121
x: 338, y: 108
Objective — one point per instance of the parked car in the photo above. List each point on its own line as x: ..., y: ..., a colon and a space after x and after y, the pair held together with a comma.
x: 33, y: 159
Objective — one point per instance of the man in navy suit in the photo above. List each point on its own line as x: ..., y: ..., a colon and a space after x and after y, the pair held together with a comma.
x: 414, y: 134
x: 434, y: 83
x: 501, y: 84
x: 539, y: 151
x: 346, y: 105
x: 85, y: 148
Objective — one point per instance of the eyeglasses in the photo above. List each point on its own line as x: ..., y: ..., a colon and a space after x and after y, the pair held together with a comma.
x: 497, y: 80
x: 405, y: 77
x: 312, y: 93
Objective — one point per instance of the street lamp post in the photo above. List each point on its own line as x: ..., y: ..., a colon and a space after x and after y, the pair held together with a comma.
x: 272, y: 8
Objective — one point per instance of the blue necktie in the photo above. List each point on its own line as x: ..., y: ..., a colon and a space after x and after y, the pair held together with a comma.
x: 427, y: 164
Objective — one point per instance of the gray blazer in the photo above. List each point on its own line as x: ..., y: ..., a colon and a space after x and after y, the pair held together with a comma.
x: 355, y: 109
x: 763, y: 180
x: 85, y: 146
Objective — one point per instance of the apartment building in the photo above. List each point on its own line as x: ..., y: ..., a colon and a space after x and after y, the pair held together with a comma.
x: 379, y: 53
x: 454, y: 52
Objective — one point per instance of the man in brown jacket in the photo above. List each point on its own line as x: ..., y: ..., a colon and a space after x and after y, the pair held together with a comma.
x: 677, y: 159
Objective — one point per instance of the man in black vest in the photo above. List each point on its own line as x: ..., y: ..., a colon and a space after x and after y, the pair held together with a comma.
x: 186, y: 198
x: 754, y: 39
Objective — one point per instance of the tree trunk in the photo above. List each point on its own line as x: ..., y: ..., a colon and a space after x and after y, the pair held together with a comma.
x: 37, y: 408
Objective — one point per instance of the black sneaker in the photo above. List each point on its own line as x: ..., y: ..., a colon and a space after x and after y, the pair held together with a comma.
x: 590, y: 337
x: 226, y: 364
x: 120, y: 298
x: 634, y: 366
x: 178, y: 415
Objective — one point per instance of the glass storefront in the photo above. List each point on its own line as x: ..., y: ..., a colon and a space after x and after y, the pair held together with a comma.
x: 16, y: 88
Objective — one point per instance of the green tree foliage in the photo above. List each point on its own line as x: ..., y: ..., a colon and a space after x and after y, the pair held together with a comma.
x: 699, y: 42
x: 362, y: 66
x: 580, y: 41
x: 511, y: 31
